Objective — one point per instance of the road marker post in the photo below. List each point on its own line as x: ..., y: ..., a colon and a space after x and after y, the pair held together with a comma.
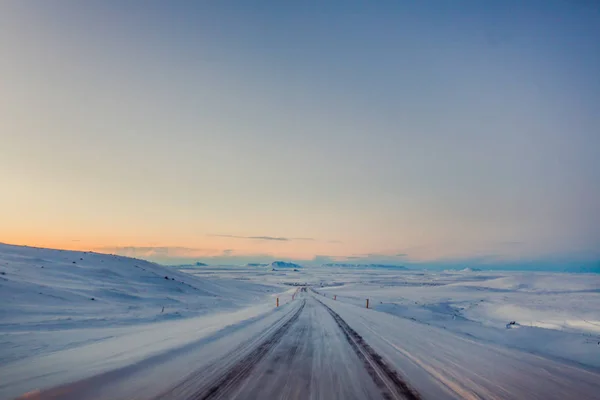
x: 278, y: 302
x: 367, y: 303
x: 335, y: 296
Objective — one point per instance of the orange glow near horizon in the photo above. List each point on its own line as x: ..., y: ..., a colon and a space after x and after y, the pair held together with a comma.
x: 205, y: 248
x: 131, y: 134
x: 302, y: 250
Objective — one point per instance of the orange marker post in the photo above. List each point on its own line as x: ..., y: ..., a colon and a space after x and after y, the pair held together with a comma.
x: 278, y: 302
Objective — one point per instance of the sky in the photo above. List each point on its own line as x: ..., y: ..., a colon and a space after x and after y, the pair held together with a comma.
x: 428, y: 131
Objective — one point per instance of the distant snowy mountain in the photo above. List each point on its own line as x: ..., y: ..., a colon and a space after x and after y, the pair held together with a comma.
x: 187, y: 266
x: 256, y: 265
x: 283, y: 264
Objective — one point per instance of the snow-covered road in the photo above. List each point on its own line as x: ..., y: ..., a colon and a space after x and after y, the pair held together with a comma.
x: 313, y: 355
x: 303, y: 350
x: 315, y: 347
x: 441, y: 364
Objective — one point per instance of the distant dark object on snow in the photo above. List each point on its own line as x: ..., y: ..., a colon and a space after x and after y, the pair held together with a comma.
x: 190, y: 266
x: 166, y: 277
x: 295, y: 270
x: 93, y: 299
x: 283, y: 264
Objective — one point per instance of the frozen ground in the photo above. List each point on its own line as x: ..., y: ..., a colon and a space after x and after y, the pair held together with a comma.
x: 556, y: 315
x: 67, y: 315
x: 445, y: 333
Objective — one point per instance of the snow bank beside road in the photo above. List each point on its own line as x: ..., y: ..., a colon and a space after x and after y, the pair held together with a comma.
x: 558, y: 314
x: 440, y: 364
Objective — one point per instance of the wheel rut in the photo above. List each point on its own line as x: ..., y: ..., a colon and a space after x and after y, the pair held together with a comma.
x: 385, y: 377
x: 230, y: 380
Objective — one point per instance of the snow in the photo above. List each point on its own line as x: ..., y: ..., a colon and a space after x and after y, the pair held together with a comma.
x: 284, y: 264
x: 363, y: 266
x: 442, y: 330
x: 442, y: 364
x: 559, y: 314
x: 48, y: 319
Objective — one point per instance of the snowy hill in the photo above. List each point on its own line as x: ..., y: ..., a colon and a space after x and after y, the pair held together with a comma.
x: 68, y: 316
x: 44, y: 290
x: 99, y: 311
x: 60, y: 288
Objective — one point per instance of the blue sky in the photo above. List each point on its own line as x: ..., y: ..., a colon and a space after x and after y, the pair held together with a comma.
x: 436, y: 130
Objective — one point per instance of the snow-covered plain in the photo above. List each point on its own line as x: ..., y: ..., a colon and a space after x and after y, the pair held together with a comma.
x: 448, y: 332
x: 555, y: 315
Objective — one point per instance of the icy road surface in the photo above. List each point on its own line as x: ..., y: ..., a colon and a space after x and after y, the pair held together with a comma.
x: 308, y: 352
x: 318, y: 348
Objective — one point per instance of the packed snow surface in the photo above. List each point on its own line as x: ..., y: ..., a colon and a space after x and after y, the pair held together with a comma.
x: 67, y: 316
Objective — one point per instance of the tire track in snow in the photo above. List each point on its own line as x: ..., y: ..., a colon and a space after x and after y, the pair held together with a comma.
x: 384, y: 376
x: 230, y: 380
